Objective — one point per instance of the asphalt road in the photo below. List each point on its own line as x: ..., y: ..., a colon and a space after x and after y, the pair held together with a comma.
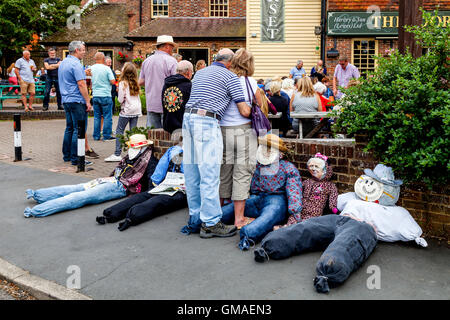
x: 155, y: 261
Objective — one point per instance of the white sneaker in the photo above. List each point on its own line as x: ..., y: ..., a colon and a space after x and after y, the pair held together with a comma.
x: 113, y: 158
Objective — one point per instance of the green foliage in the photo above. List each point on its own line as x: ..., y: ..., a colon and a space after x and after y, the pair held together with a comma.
x: 143, y: 103
x: 20, y: 19
x: 404, y: 108
x: 123, y: 138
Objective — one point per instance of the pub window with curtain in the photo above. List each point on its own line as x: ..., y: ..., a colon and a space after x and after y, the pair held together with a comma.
x: 218, y: 8
x: 160, y: 8
x: 363, y: 51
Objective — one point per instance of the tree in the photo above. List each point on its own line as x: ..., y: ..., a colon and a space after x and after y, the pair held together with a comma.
x: 22, y: 19
x: 404, y: 107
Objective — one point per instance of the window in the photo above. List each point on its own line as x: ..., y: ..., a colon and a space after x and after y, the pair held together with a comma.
x: 160, y: 8
x: 65, y: 53
x: 108, y: 53
x: 218, y: 8
x: 363, y: 51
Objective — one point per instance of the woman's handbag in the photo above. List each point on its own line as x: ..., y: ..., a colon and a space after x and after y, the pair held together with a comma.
x: 260, y: 123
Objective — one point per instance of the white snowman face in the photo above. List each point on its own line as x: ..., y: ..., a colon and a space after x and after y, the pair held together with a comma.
x: 368, y: 189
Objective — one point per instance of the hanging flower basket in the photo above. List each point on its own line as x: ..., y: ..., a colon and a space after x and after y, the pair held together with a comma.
x: 121, y: 56
x: 137, y: 60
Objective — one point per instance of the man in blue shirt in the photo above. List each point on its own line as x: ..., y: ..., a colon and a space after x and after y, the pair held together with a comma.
x: 213, y: 88
x: 75, y: 97
x: 298, y: 71
x: 102, y: 80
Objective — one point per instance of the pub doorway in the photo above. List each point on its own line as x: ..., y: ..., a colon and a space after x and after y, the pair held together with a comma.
x: 194, y: 54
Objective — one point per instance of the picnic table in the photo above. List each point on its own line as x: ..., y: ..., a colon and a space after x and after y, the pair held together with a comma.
x: 307, y: 115
x: 5, y: 93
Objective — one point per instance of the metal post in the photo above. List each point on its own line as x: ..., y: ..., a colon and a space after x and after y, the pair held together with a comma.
x: 81, y: 145
x: 17, y: 138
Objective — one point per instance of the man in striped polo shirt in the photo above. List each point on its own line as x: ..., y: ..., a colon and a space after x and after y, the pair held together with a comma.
x: 213, y: 88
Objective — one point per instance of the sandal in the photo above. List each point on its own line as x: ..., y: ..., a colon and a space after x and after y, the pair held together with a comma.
x: 247, y: 221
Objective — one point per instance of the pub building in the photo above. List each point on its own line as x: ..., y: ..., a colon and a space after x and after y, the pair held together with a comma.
x: 199, y: 27
x: 360, y: 30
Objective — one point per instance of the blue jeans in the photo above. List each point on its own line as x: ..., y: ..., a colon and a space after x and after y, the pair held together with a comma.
x: 202, y: 156
x: 121, y: 125
x: 74, y: 112
x: 346, y: 241
x: 48, y: 87
x: 102, y: 107
x: 61, y: 198
x: 268, y: 209
x: 154, y: 119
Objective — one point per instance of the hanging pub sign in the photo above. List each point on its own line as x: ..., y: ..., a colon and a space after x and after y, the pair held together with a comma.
x: 272, y: 20
x: 370, y: 23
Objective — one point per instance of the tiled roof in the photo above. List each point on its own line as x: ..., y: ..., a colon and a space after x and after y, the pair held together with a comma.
x: 191, y: 28
x: 106, y: 23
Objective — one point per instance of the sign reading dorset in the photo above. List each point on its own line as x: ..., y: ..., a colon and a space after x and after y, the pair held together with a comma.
x: 272, y: 20
x: 370, y: 23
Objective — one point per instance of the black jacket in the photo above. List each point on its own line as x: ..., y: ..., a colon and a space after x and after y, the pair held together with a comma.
x: 175, y: 94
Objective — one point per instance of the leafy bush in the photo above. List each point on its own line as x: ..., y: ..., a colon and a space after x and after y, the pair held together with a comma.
x: 404, y: 108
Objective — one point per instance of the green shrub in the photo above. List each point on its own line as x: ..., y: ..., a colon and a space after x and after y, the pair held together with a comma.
x: 123, y: 138
x: 404, y: 108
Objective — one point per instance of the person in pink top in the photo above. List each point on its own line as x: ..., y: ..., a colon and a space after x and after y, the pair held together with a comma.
x: 154, y: 70
x: 343, y: 73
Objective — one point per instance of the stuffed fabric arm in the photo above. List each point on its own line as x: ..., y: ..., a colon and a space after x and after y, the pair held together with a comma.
x: 333, y: 197
x: 294, y: 192
x: 161, y: 169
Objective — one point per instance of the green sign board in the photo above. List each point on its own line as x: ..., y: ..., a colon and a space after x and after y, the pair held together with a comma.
x: 370, y: 23
x: 272, y: 20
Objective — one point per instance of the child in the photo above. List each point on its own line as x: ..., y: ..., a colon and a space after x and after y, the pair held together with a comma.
x: 130, y: 105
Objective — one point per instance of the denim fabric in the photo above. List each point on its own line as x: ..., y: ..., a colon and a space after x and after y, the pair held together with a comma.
x: 61, y: 198
x: 346, y: 241
x: 51, y: 81
x: 144, y: 206
x: 155, y: 120
x: 102, y: 107
x: 121, y: 125
x: 74, y: 112
x: 269, y: 210
x: 202, y: 155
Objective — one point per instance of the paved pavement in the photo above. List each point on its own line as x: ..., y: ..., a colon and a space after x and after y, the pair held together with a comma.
x: 5, y: 296
x: 42, y: 143
x: 154, y: 260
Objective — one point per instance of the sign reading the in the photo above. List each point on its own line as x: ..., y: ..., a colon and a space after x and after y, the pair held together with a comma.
x: 272, y: 20
x: 370, y: 23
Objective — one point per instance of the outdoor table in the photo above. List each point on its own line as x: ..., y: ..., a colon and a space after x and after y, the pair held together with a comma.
x: 310, y: 115
x: 6, y: 94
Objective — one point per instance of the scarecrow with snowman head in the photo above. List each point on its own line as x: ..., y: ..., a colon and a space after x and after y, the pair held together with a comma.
x: 367, y: 215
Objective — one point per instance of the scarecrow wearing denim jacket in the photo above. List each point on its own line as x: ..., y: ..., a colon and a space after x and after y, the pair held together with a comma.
x: 276, y: 193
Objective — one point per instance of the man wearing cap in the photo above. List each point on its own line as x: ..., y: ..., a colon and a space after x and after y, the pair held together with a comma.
x: 154, y: 70
x: 213, y: 88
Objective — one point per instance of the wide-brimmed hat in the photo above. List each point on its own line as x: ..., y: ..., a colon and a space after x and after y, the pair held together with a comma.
x: 383, y: 174
x: 273, y: 141
x: 165, y: 39
x: 135, y: 143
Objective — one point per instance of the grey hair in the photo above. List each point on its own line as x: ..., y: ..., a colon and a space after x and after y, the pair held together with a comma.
x: 298, y: 61
x: 184, y: 66
x: 225, y: 55
x: 107, y: 58
x: 74, y: 45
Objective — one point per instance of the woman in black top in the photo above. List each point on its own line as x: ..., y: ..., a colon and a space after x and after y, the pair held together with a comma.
x: 282, y: 105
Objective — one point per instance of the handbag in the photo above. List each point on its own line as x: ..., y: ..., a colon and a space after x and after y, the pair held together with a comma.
x: 260, y: 123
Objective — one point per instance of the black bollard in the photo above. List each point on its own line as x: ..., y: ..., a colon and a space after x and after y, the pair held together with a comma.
x: 17, y: 138
x: 81, y: 145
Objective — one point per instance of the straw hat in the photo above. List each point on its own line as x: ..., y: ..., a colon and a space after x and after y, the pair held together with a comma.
x: 273, y: 141
x: 136, y: 142
x: 165, y: 39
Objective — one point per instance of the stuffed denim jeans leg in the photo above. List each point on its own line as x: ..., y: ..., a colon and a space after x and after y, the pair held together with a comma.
x: 98, y: 194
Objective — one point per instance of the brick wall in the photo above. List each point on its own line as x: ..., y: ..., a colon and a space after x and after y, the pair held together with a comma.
x: 430, y: 208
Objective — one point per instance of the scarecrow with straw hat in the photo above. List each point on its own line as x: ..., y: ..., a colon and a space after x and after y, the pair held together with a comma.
x: 276, y: 193
x: 129, y: 177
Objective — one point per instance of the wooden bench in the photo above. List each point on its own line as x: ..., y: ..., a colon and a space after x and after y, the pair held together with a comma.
x: 6, y: 94
x: 306, y: 115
